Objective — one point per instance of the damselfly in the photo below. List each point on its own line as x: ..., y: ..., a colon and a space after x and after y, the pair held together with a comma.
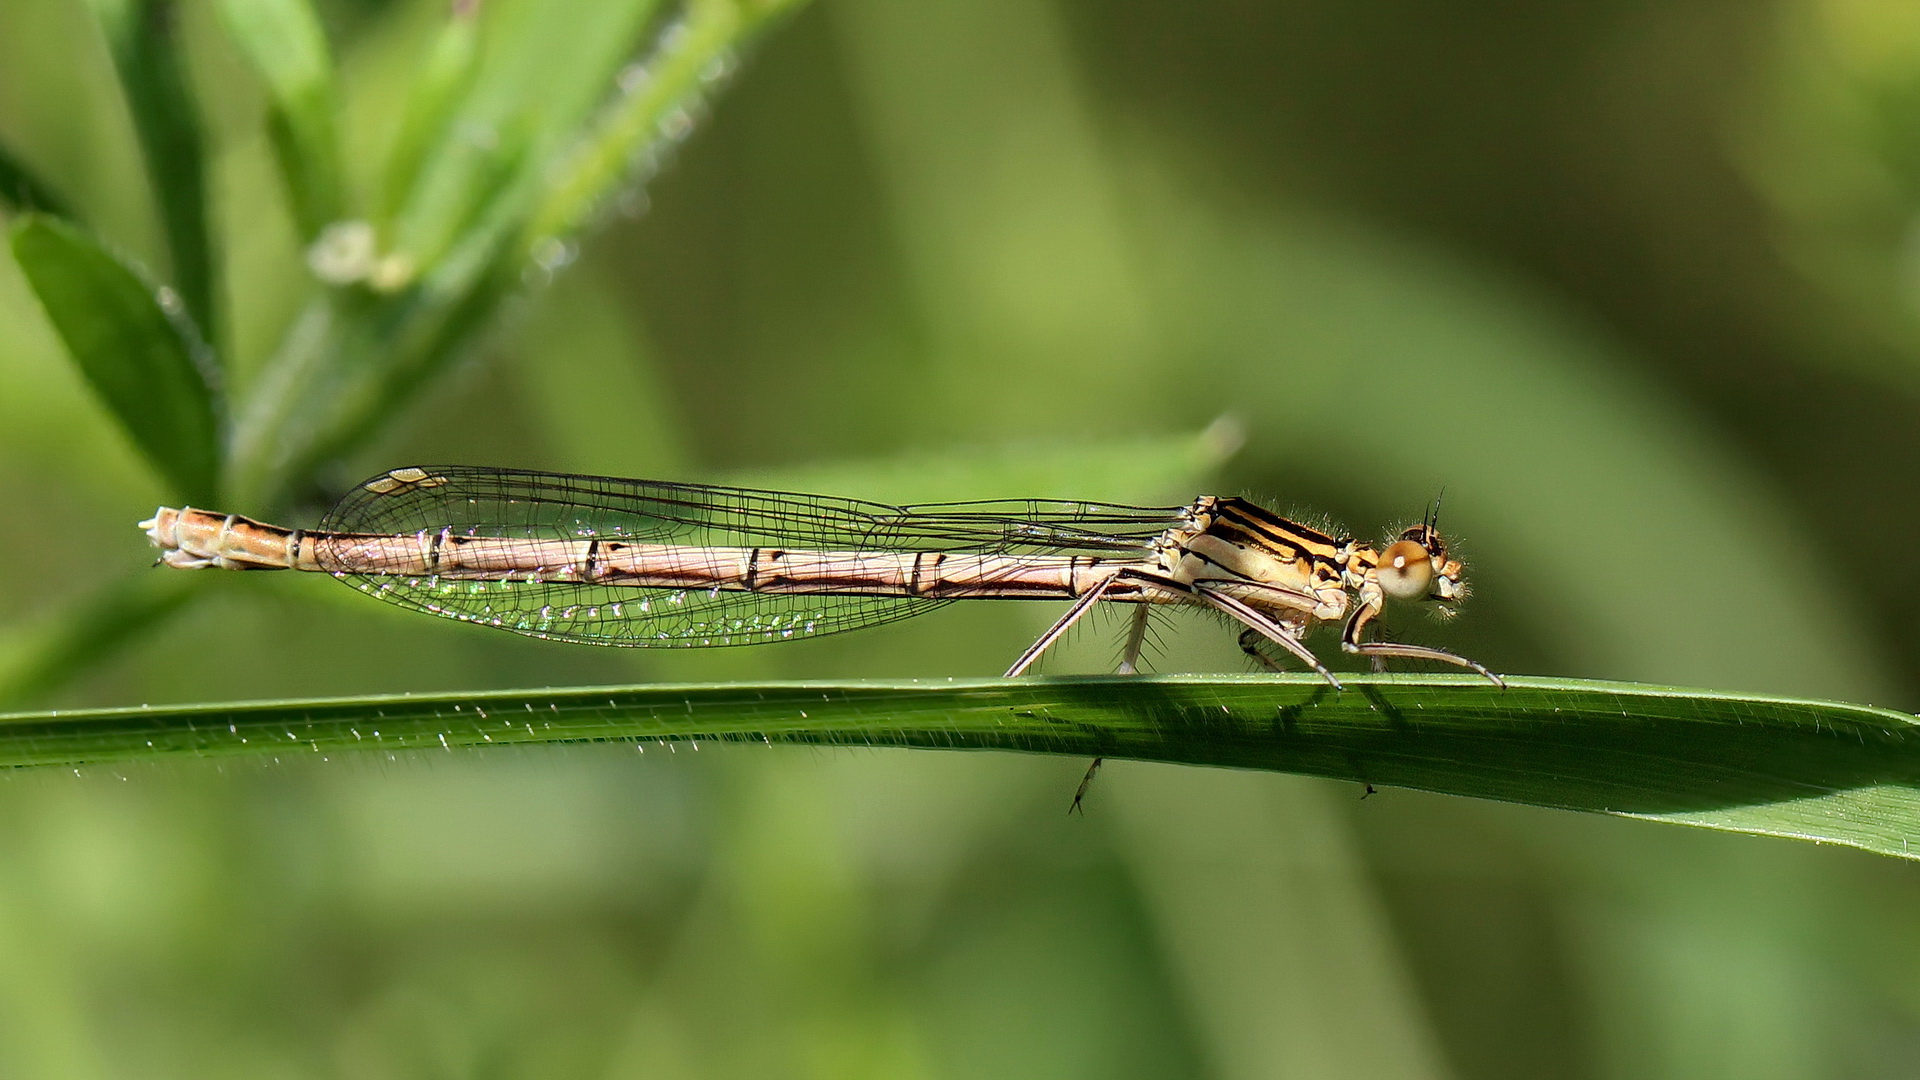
x: 644, y: 563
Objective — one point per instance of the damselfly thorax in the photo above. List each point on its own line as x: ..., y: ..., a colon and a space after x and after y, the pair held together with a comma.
x: 608, y: 561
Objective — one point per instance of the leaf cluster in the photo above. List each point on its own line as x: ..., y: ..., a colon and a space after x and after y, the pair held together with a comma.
x: 510, y: 146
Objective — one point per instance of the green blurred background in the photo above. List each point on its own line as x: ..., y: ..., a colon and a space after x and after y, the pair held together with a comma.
x: 1638, y: 284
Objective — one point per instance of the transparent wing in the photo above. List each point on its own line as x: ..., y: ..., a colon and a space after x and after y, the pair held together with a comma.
x: 635, y: 617
x: 483, y: 502
x: 1036, y: 525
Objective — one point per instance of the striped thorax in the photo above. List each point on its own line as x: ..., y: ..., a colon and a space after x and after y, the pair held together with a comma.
x: 1301, y: 576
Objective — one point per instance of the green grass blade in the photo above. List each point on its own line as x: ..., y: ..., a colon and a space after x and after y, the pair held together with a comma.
x: 283, y: 41
x: 1822, y: 771
x: 22, y: 189
x: 146, y: 365
x: 143, y: 39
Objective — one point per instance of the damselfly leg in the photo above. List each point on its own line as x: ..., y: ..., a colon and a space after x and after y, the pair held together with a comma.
x: 1045, y: 641
x: 1136, y: 640
x: 1270, y: 629
x: 1258, y: 625
x: 1381, y: 650
x: 1129, y: 661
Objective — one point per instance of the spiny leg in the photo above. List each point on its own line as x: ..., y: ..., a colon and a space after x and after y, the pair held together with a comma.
x: 1129, y: 664
x: 1378, y: 651
x: 1268, y: 629
x: 1085, y: 783
x: 1251, y: 639
x: 1378, y: 664
x: 1250, y: 642
x: 1253, y: 642
x: 1136, y: 637
x: 1080, y: 607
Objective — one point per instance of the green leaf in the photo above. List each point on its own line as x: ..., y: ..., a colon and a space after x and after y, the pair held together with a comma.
x: 461, y: 242
x: 21, y: 189
x: 444, y: 77
x: 144, y: 363
x: 142, y: 37
x: 1822, y: 771
x: 657, y: 108
x: 283, y: 41
x: 455, y: 245
x: 544, y: 69
x: 455, y: 204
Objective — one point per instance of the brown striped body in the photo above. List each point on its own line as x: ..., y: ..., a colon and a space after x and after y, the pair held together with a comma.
x: 1231, y: 544
x: 1277, y: 577
x: 194, y: 539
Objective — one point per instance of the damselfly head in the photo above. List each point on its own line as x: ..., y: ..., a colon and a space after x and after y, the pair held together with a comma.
x: 1425, y: 535
x: 1416, y: 567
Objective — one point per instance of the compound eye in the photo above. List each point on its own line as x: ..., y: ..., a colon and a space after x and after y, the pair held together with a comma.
x: 1406, y: 571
